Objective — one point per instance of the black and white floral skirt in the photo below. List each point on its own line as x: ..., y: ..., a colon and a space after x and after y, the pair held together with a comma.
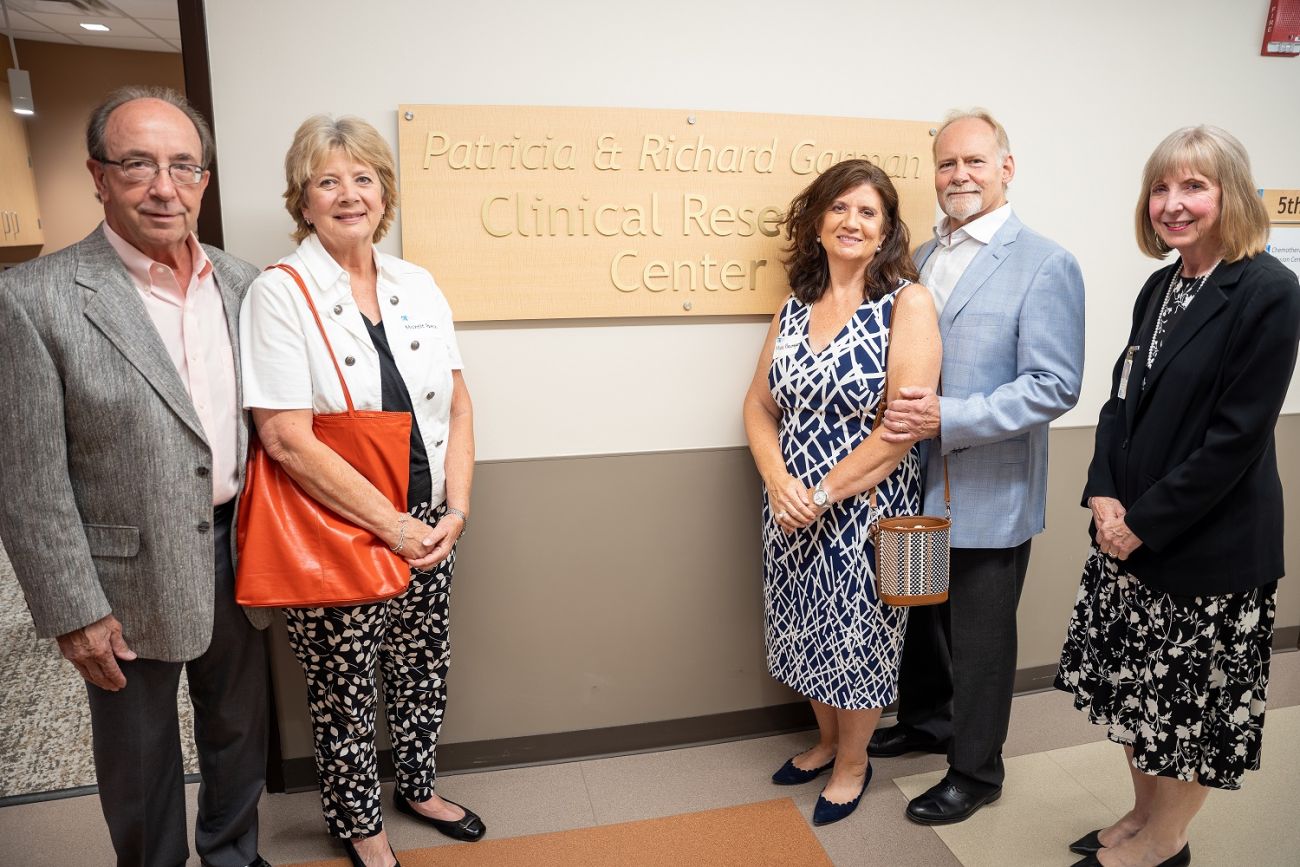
x: 1180, y: 679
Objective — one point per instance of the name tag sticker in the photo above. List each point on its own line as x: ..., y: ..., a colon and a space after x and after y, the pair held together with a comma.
x: 785, y: 346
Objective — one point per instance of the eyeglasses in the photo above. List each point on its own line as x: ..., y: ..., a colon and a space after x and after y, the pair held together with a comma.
x: 136, y: 169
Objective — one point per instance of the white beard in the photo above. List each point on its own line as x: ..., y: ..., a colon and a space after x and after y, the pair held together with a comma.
x: 964, y: 208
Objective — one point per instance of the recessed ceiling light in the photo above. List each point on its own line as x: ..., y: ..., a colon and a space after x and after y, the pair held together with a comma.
x: 98, y: 28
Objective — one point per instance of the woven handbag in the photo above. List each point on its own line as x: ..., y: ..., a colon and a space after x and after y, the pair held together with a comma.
x: 295, y: 552
x: 912, y: 551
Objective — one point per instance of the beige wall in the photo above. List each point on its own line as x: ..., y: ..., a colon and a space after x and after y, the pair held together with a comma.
x: 612, y: 590
x: 67, y: 82
x: 1072, y: 83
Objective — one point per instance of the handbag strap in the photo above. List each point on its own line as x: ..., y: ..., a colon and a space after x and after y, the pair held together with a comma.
x: 297, y: 278
x: 880, y: 413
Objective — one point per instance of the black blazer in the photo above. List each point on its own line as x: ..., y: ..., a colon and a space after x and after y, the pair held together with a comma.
x: 1192, y: 457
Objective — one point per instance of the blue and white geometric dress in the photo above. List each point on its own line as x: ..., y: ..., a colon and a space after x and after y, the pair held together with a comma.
x: 828, y: 635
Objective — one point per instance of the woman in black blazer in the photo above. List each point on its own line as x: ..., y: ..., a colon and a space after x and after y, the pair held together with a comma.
x: 1169, y: 643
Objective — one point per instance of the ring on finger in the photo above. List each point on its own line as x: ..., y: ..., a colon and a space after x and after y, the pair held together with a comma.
x: 780, y: 516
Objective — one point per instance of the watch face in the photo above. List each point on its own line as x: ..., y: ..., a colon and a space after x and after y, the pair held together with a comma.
x: 820, y: 498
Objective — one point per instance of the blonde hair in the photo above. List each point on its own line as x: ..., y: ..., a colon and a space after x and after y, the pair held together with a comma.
x: 1215, y: 153
x: 1004, y: 143
x: 318, y: 137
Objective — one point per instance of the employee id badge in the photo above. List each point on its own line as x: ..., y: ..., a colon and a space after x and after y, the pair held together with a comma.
x: 1122, y: 392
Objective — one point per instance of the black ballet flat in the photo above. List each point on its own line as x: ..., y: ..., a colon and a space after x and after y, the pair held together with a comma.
x: 355, y: 858
x: 469, y: 828
x: 791, y: 775
x: 827, y: 812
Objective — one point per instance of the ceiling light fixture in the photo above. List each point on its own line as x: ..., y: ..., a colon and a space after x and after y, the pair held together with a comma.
x: 98, y: 28
x: 20, y: 81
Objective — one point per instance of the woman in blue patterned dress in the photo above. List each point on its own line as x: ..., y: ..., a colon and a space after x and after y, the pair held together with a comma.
x: 808, y: 416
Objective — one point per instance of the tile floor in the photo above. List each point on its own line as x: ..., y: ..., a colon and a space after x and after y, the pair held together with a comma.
x: 1062, y: 781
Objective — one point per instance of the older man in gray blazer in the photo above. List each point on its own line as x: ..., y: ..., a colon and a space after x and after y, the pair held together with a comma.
x: 121, y: 452
x: 1011, y: 316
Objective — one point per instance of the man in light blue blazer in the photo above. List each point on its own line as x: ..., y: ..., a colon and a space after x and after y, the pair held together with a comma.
x: 1011, y: 316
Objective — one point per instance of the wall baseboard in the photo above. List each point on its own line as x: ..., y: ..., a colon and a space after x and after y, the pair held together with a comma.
x: 468, y: 756
x: 300, y: 774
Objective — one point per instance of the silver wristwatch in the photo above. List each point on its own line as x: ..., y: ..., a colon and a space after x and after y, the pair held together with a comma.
x: 821, y: 499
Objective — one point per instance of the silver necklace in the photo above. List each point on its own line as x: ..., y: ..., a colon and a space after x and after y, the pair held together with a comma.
x: 1196, y: 286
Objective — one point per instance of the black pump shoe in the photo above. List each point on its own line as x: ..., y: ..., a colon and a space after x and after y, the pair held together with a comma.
x: 470, y: 828
x: 1181, y: 859
x: 1087, y: 844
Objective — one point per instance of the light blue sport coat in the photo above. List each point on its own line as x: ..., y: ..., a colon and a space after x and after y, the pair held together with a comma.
x: 1012, y: 361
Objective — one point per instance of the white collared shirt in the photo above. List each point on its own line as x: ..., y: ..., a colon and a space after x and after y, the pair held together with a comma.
x: 956, y: 250
x: 286, y: 364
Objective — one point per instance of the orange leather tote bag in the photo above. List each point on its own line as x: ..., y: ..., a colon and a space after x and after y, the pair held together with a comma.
x: 295, y: 552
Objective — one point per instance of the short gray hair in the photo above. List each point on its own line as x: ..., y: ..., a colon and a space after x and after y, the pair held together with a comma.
x: 1004, y: 143
x: 97, y: 148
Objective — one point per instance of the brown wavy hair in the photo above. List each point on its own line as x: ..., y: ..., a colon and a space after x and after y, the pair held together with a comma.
x: 806, y: 266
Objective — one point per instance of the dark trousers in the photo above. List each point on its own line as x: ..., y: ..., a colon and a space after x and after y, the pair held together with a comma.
x: 959, y: 663
x: 138, y: 748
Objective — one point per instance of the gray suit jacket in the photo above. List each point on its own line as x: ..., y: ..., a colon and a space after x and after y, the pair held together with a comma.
x: 105, y: 468
x: 1012, y: 361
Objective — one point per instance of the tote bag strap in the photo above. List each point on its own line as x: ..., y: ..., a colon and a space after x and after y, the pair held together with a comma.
x: 297, y: 278
x: 880, y: 413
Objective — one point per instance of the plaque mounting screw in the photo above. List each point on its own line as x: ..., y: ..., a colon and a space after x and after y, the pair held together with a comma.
x: 410, y: 115
x: 686, y: 305
x: 690, y: 118
x: 933, y: 131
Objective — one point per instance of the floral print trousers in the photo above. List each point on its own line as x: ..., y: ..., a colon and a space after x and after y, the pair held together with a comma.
x: 338, y: 648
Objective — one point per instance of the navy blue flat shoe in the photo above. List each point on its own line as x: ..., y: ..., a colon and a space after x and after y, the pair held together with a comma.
x: 827, y: 812
x: 790, y: 775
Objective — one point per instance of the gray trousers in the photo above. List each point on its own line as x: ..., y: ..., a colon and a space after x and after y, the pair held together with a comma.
x: 138, y: 748
x: 959, y: 663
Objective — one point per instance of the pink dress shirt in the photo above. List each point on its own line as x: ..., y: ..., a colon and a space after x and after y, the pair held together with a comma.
x: 191, y: 321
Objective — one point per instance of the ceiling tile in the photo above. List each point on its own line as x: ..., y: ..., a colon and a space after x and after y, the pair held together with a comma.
x: 163, y: 27
x: 70, y: 25
x: 41, y: 36
x: 19, y: 21
x: 130, y: 42
x: 45, y: 7
x: 147, y: 8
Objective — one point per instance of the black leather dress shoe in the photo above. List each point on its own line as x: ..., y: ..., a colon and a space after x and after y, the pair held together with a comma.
x: 470, y: 828
x: 259, y: 861
x: 791, y: 775
x: 1182, y: 859
x: 1087, y: 844
x: 946, y: 803
x: 898, y: 740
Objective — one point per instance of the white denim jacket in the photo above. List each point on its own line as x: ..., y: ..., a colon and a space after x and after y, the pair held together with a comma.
x: 286, y: 365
